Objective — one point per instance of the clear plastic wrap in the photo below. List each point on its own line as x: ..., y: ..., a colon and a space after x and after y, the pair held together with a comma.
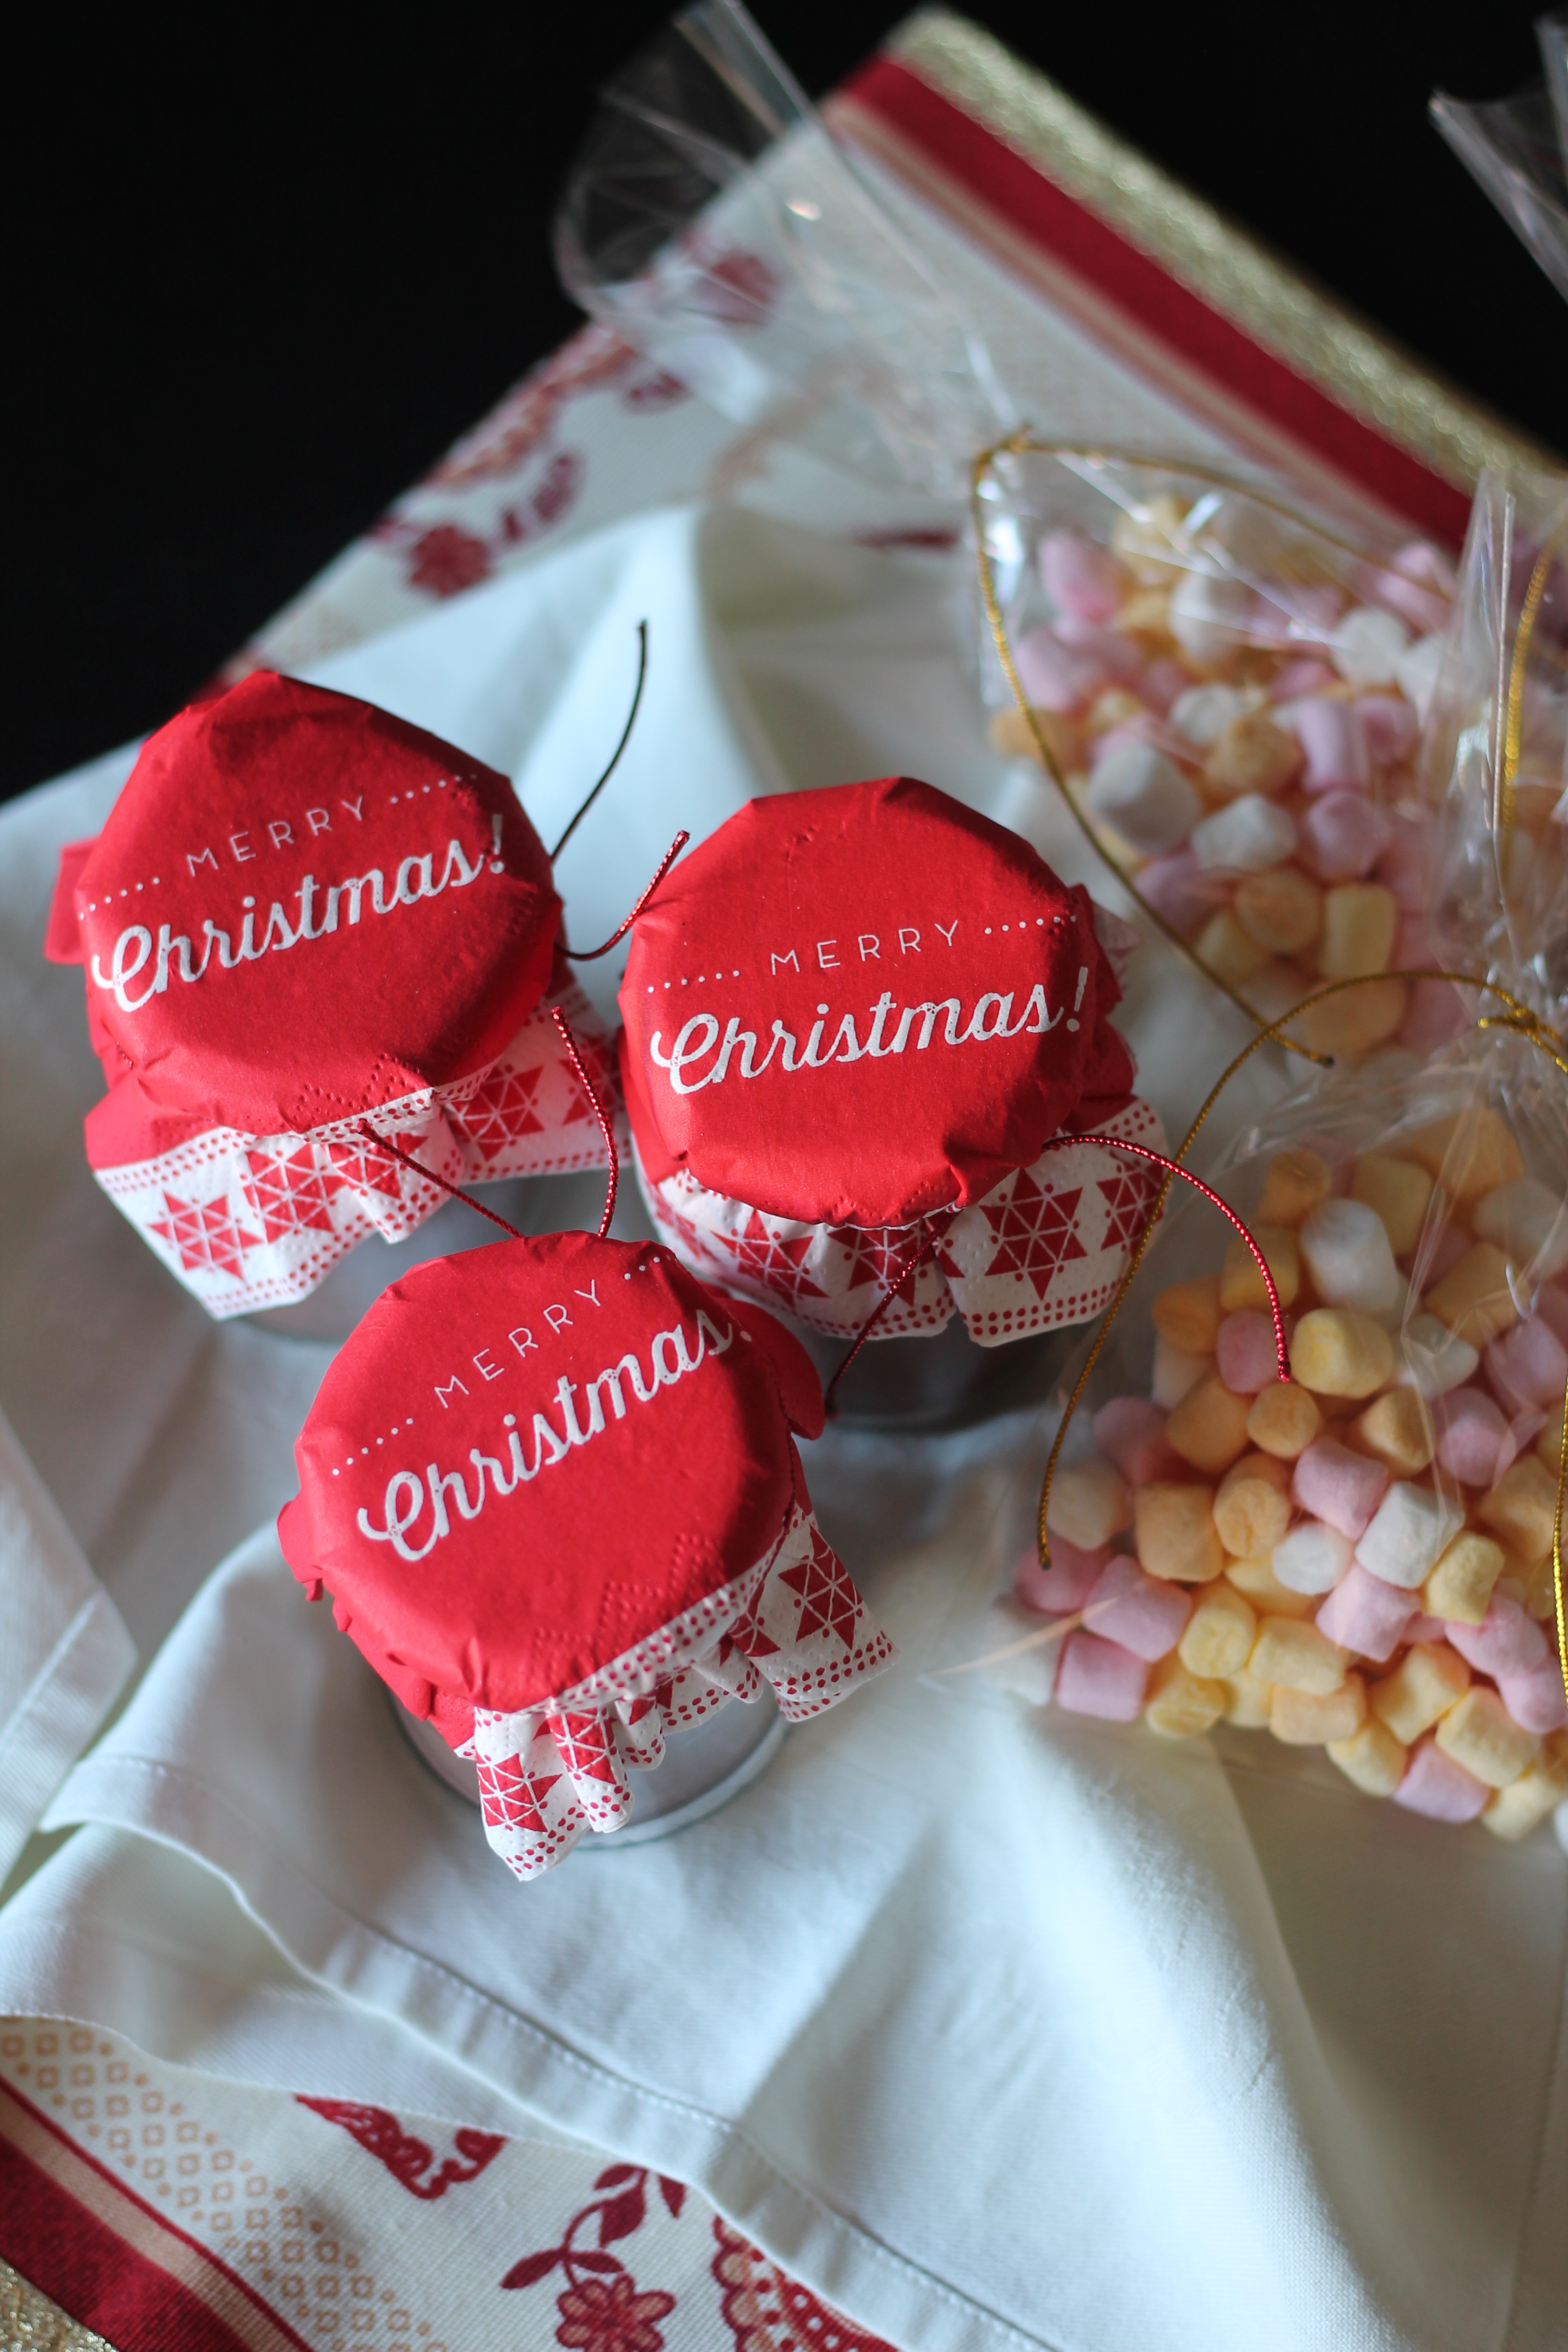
x: 1230, y: 696
x: 1517, y: 147
x: 710, y: 220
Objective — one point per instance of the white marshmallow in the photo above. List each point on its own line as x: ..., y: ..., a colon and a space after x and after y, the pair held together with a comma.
x: 1312, y: 1557
x: 1030, y: 1672
x: 1416, y: 672
x: 1524, y: 1218
x: 1246, y: 837
x: 1204, y: 712
x: 1346, y: 1247
x: 1150, y: 803
x: 1206, y: 615
x: 1367, y: 645
x: 1410, y: 1529
x: 1436, y: 1359
x: 1393, y: 1316
x: 1174, y: 1374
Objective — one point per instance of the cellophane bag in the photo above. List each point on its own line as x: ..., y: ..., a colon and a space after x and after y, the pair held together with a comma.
x: 1517, y: 149
x: 1353, y: 1550
x: 711, y: 219
x: 1232, y: 696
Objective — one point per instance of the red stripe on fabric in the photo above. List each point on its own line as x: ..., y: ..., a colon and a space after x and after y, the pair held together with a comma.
x: 1083, y: 243
x: 92, y: 2273
x: 41, y: 2223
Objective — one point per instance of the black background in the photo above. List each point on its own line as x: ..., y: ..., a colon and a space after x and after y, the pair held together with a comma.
x: 258, y: 287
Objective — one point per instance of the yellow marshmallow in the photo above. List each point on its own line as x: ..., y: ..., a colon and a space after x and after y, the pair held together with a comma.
x: 1315, y: 1718
x: 1209, y: 1428
x: 1220, y: 1632
x: 1256, y: 1579
x: 1174, y: 1532
x: 1398, y: 1430
x: 1399, y: 1190
x: 1281, y: 910
x: 1252, y: 1508
x: 1187, y: 1315
x: 1515, y: 1810
x: 1180, y: 1704
x: 1252, y: 755
x: 1424, y: 1685
x: 1460, y: 1585
x: 1290, y: 1650
x: 1249, y: 1701
x: 1361, y: 922
x: 1474, y: 1299
x: 1371, y: 1756
x: 1088, y: 1504
x: 1338, y: 1352
x: 1294, y: 1182
x: 1471, y: 1152
x: 1283, y: 1420
x: 1521, y: 1509
x: 1229, y: 950
x: 1355, y: 1021
x: 1241, y: 1285
x: 1479, y: 1733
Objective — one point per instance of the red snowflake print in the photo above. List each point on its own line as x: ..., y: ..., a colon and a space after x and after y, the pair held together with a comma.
x: 598, y: 1062
x: 205, y: 1235
x: 610, y: 2315
x: 444, y: 561
x: 289, y: 1194
x: 877, y: 1254
x: 829, y: 1601
x: 358, y: 1167
x: 514, y: 1799
x: 584, y: 1744
x: 1034, y: 1232
x: 501, y: 1109
x: 701, y: 1242
x: 779, y: 1265
x: 1129, y: 1196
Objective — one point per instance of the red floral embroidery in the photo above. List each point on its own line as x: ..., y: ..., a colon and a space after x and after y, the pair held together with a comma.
x: 444, y: 561
x: 610, y: 2315
x: 601, y: 2307
x: 408, y: 2159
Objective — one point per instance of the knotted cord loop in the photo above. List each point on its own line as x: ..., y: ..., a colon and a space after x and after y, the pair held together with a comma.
x: 589, y: 955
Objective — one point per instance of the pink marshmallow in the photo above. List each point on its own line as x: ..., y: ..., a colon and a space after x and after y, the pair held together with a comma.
x: 1405, y: 865
x: 1419, y: 559
x: 1246, y: 1353
x: 1422, y: 1628
x: 1162, y: 682
x: 1435, y: 1785
x: 1307, y: 676
x: 1527, y: 1367
x: 1506, y: 1642
x: 1053, y: 676
x: 1433, y: 1015
x: 1338, y: 1486
x: 1536, y: 1700
x: 1144, y: 1614
x: 1344, y: 835
x: 1551, y: 1309
x: 1117, y: 655
x: 1391, y: 726
x: 1066, y: 1584
x: 1098, y: 1677
x: 1332, y: 736
x: 1364, y: 1614
x: 1130, y: 1431
x: 1420, y: 608
x: 1182, y: 890
x: 1082, y: 579
x: 1451, y: 1244
x: 1470, y: 1434
x: 1413, y: 944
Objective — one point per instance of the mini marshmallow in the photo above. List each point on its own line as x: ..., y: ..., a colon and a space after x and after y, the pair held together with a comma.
x: 1529, y: 1223
x: 1294, y: 1182
x: 1149, y: 802
x: 1252, y: 755
x: 1030, y: 1672
x: 1281, y: 910
x: 1357, y: 1021
x: 1459, y: 1588
x: 1229, y: 950
x: 1340, y: 1352
x: 1317, y: 1718
x: 1521, y: 1509
x: 1363, y: 1614
x: 1434, y: 1784
x: 1202, y: 713
x: 1391, y: 726
x: 1411, y: 1526
x: 1208, y: 615
x: 1220, y: 1632
x: 1435, y: 1362
x: 1174, y: 1532
x: 1472, y: 1152
x: 1187, y: 1315
x: 1479, y: 1733
x: 1175, y: 1374
x: 1372, y: 1757
x: 1505, y: 1644
x: 1475, y: 1297
x: 1348, y: 1256
x: 1130, y: 1431
x: 1283, y: 1420
x: 1180, y: 890
x: 1182, y: 1704
x: 1536, y: 1700
x: 1290, y: 1650
x: 1527, y: 1367
x: 1248, y: 1701
x: 1088, y: 1504
x: 1521, y: 1807
x: 1247, y: 837
x: 1241, y: 1284
x: 1112, y: 655
x: 1361, y: 921
x: 1397, y: 1428
x: 1209, y: 1428
x: 1054, y: 676
x: 1256, y: 1581
x: 1367, y: 646
x: 1252, y: 1508
x: 1245, y: 1353
x: 1100, y: 1678
x: 1424, y: 1684
x: 1344, y: 835
x: 1082, y: 579
x: 1164, y: 682
x: 1145, y: 1613
x: 1416, y: 672
x: 1398, y: 1189
x: 1338, y: 1486
x: 1066, y: 1584
x: 1471, y: 1433
x: 1312, y: 1557
x: 1335, y: 740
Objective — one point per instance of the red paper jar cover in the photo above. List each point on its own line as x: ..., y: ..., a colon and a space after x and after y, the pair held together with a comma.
x: 860, y: 1004
x: 299, y: 908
